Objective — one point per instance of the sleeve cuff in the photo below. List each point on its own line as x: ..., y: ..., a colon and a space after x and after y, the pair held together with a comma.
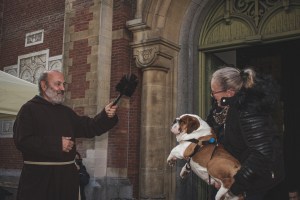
x: 236, y: 190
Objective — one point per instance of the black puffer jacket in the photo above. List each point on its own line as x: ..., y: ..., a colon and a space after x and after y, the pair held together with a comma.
x: 251, y: 136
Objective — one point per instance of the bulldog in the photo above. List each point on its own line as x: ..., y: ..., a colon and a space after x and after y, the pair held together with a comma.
x: 205, y: 157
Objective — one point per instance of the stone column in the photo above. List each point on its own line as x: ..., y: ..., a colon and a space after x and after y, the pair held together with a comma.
x: 156, y: 59
x: 153, y: 135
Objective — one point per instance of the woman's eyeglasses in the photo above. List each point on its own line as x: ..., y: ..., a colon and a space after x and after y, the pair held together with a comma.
x: 212, y: 93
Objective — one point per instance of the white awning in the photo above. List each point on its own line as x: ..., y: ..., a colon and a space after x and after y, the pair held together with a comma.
x: 14, y: 92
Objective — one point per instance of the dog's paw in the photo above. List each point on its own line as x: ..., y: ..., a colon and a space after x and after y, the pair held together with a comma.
x: 186, y: 169
x: 171, y: 161
x: 184, y: 172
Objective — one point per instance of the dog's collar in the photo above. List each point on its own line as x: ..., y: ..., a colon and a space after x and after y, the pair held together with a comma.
x: 211, y: 140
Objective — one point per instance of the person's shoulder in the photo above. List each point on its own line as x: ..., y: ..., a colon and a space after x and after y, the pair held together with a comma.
x: 36, y: 100
x: 261, y: 98
x: 29, y: 104
x: 67, y: 109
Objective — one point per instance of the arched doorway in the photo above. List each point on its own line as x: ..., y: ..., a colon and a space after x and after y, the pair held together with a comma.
x: 263, y: 34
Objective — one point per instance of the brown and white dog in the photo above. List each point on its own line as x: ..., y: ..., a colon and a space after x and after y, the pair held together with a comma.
x: 211, y: 162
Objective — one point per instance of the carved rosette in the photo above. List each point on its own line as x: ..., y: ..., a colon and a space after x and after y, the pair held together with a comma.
x: 145, y: 56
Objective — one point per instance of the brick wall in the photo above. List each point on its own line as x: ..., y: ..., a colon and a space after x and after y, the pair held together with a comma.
x: 10, y: 157
x: 81, y: 50
x: 79, y: 68
x: 1, y: 19
x: 124, y: 140
x: 19, y: 18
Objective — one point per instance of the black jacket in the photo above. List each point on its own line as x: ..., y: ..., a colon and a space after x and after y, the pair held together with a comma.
x: 251, y: 136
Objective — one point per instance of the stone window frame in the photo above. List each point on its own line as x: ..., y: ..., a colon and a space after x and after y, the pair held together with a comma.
x: 33, y: 71
x: 6, y: 133
x: 12, y: 70
x: 34, y: 38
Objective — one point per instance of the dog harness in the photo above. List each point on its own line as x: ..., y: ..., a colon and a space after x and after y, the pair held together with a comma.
x: 212, y: 140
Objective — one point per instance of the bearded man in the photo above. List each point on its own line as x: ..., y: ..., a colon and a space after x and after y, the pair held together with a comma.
x: 45, y: 131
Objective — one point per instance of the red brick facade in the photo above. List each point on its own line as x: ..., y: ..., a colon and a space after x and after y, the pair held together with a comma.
x: 21, y: 17
x: 79, y: 69
x: 10, y: 158
x: 123, y: 144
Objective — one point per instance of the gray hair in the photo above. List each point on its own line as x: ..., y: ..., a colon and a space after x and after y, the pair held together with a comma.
x: 234, y: 78
x: 44, y: 77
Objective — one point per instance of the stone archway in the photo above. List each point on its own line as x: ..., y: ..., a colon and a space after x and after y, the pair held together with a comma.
x: 155, y: 47
x: 235, y: 24
x: 231, y: 25
x: 167, y: 38
x: 238, y: 25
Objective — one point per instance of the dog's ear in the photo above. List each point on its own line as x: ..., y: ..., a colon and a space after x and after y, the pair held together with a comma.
x: 192, y: 124
x: 182, y: 123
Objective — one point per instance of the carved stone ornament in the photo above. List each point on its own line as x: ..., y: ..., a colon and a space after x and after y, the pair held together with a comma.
x: 6, y: 128
x: 34, y: 38
x: 13, y: 70
x: 32, y: 65
x: 145, y: 56
x: 234, y: 22
x: 55, y: 63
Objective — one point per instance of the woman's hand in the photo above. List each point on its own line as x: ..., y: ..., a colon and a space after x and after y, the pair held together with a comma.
x: 217, y: 185
x: 293, y: 196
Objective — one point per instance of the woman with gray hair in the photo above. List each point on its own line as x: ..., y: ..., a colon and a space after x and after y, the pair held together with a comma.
x: 241, y: 116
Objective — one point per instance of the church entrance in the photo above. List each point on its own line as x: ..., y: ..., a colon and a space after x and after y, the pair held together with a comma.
x: 263, y: 35
x: 281, y: 60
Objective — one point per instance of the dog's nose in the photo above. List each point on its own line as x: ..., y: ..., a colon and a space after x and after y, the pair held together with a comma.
x: 176, y: 120
x: 175, y: 124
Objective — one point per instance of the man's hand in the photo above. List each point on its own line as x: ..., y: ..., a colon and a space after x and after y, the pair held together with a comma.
x: 111, y: 110
x: 67, y: 144
x: 294, y: 196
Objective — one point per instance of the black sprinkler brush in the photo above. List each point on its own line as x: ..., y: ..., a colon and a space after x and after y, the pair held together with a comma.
x: 126, y: 86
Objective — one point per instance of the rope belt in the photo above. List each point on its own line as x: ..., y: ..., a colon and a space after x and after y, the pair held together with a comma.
x: 48, y: 163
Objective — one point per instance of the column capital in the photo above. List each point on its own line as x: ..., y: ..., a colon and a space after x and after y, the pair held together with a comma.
x: 155, y: 52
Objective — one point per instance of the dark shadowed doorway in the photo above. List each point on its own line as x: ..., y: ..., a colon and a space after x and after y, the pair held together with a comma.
x: 281, y: 60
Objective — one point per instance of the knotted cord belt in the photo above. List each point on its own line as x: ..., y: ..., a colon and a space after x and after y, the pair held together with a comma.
x: 48, y: 163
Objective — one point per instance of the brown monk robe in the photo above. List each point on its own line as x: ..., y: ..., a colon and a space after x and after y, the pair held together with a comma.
x: 44, y: 132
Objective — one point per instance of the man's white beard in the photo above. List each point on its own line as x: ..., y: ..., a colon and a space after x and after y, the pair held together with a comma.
x: 56, y: 97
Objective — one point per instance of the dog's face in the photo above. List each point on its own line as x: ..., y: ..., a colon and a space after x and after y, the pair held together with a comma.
x: 186, y: 124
